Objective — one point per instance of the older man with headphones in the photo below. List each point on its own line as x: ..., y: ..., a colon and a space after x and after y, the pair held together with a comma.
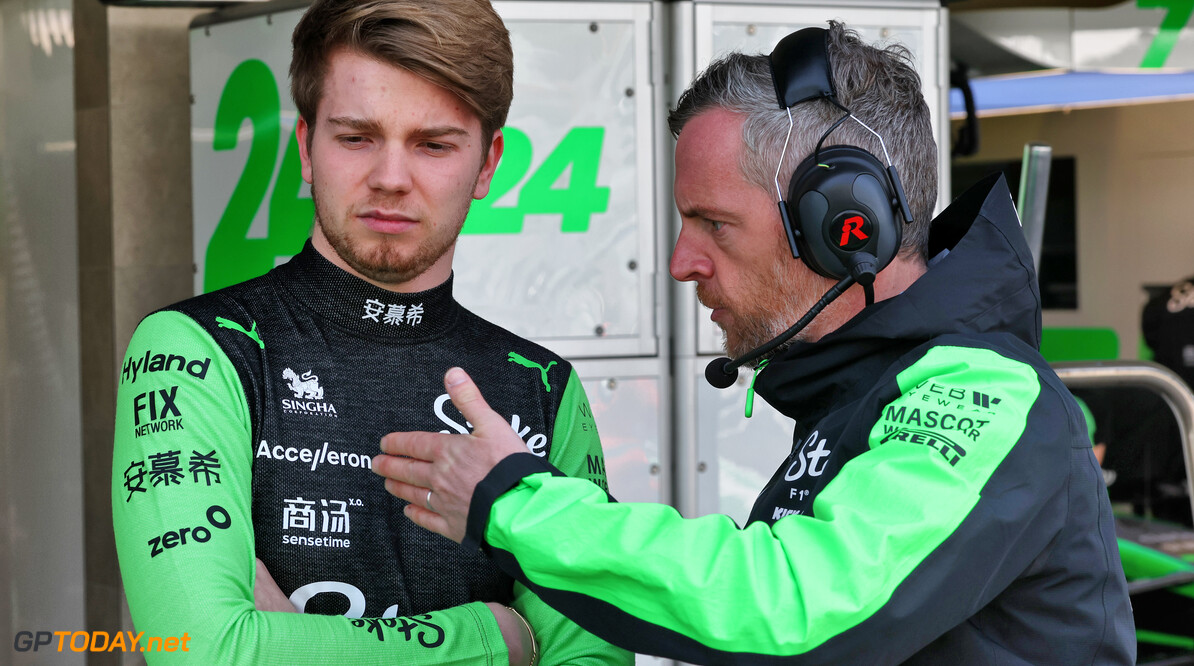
x: 941, y: 503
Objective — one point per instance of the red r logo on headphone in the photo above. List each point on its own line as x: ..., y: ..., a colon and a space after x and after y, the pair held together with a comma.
x: 852, y: 225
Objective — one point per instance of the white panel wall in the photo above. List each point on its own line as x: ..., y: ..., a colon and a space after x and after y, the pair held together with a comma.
x: 41, y: 525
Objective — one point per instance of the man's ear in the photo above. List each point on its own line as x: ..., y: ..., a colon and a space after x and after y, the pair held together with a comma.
x: 302, y: 134
x: 492, y: 156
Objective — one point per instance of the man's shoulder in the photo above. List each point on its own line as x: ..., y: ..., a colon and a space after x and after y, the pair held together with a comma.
x: 244, y: 296
x: 979, y: 361
x: 501, y: 340
x: 1002, y: 344
x: 233, y: 318
x: 526, y: 370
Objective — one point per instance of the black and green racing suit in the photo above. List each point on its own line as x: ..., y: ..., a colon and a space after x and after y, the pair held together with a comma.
x: 941, y: 503
x: 246, y: 423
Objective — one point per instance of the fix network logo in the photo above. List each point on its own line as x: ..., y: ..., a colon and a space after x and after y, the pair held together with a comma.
x: 156, y: 411
x: 308, y: 395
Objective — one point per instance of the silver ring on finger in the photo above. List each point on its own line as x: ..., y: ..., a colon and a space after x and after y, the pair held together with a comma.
x: 429, y: 507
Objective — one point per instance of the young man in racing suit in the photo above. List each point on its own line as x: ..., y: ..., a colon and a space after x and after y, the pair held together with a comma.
x: 941, y: 503
x: 247, y: 418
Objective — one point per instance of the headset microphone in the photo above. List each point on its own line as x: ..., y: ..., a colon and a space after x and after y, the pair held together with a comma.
x: 722, y: 372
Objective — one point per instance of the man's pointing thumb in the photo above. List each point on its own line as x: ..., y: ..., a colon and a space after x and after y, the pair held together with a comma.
x: 467, y: 398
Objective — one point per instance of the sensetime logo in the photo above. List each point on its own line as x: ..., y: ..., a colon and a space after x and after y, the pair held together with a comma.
x: 97, y: 641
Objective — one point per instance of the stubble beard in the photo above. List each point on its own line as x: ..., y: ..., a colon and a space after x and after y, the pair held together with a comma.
x: 774, y: 300
x: 385, y: 260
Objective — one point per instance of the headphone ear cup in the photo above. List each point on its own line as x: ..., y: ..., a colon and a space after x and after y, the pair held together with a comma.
x: 839, y: 205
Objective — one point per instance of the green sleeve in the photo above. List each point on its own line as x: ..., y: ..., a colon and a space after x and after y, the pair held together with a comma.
x: 576, y: 446
x: 576, y: 451
x: 561, y: 641
x: 780, y: 589
x: 181, y: 498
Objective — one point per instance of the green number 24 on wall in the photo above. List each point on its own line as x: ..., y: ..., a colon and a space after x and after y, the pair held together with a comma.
x: 251, y: 93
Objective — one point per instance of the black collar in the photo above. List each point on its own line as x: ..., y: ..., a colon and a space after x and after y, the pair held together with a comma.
x: 363, y: 308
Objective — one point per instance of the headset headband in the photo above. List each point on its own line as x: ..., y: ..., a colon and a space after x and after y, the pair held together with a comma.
x: 800, y: 67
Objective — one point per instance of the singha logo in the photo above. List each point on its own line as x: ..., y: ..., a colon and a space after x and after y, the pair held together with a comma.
x: 306, y: 387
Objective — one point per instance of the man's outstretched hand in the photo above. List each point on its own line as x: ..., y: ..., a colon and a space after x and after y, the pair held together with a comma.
x: 449, y: 465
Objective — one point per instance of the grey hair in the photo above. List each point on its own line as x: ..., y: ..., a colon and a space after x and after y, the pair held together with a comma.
x: 881, y: 88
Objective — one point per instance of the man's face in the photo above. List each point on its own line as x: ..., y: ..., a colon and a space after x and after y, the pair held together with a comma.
x: 394, y: 162
x: 732, y: 243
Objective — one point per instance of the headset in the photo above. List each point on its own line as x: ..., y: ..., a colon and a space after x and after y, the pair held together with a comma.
x: 844, y: 211
x: 842, y: 203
